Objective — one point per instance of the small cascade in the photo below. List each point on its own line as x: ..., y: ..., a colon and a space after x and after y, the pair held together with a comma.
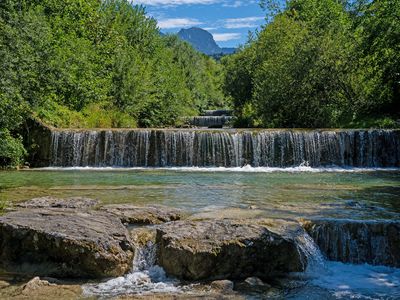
x: 225, y: 148
x: 315, y: 259
x: 145, y: 277
x: 373, y: 242
x: 145, y: 257
x: 211, y: 119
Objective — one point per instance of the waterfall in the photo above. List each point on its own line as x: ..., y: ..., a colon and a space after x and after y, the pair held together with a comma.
x: 225, y: 148
x: 145, y: 257
x: 376, y: 242
x: 315, y: 259
x: 145, y: 277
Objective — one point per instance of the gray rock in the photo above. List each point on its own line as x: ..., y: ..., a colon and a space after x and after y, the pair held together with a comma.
x: 64, y: 243
x: 376, y: 242
x: 37, y: 289
x: 222, y: 285
x: 155, y: 214
x: 52, y: 202
x: 34, y: 284
x: 4, y: 284
x: 234, y: 249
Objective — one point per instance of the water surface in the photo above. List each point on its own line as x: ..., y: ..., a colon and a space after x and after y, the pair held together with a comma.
x: 341, y: 193
x: 236, y: 192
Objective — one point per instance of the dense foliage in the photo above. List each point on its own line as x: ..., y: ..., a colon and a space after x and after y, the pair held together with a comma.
x: 95, y: 64
x: 316, y: 63
x: 320, y: 63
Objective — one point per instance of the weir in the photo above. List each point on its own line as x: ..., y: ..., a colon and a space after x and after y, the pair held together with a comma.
x: 375, y: 242
x: 224, y: 148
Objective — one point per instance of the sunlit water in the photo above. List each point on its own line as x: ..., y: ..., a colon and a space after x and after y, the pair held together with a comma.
x: 298, y: 192
x: 245, y: 192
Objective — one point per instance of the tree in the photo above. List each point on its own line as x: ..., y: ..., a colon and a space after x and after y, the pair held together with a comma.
x: 316, y: 63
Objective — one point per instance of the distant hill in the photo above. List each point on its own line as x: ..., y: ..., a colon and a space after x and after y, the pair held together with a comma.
x: 203, y: 41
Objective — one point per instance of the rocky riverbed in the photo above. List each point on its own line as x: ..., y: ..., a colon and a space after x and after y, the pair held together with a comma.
x: 76, y: 245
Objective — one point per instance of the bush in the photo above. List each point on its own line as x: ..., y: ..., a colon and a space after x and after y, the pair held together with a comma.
x: 12, y: 150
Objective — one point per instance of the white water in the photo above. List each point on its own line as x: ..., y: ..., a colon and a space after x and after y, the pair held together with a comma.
x: 345, y: 281
x: 151, y: 281
x: 245, y: 169
x: 145, y: 278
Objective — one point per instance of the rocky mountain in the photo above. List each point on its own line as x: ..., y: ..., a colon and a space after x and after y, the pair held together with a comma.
x: 203, y: 41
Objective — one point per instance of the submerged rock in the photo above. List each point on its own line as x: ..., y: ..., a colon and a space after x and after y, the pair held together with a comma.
x: 53, y: 202
x: 64, y: 243
x: 253, y: 284
x: 234, y: 249
x: 375, y: 242
x: 142, y: 236
x: 131, y: 214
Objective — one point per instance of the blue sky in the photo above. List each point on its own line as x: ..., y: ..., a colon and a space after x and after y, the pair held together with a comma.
x: 228, y: 20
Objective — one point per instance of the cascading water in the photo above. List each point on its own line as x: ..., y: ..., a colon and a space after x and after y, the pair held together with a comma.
x: 225, y: 148
x: 315, y: 259
x: 145, y: 277
x: 358, y: 241
x: 325, y: 279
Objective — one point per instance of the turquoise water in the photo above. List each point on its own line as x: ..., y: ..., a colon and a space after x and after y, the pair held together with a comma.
x: 240, y: 192
x: 289, y: 193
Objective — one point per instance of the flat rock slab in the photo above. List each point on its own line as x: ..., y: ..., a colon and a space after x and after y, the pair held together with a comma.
x: 64, y: 243
x: 375, y: 242
x: 52, y: 202
x: 229, y: 249
x: 143, y: 215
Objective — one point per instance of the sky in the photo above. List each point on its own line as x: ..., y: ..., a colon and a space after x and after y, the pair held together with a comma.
x: 229, y: 21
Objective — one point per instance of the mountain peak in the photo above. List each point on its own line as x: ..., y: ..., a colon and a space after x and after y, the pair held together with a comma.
x: 203, y: 41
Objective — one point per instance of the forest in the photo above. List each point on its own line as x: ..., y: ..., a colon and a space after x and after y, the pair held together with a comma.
x: 105, y: 64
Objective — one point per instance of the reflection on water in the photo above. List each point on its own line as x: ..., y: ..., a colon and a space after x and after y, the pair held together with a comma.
x: 292, y: 194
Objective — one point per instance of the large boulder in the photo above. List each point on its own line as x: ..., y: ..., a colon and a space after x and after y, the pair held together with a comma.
x: 144, y: 215
x: 64, y: 243
x: 376, y: 242
x: 220, y: 249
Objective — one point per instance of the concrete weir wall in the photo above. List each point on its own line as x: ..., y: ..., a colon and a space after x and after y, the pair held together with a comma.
x: 212, y: 148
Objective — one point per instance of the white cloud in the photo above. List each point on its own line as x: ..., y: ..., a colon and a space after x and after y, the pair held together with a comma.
x: 224, y: 37
x: 237, y: 3
x: 249, y: 22
x: 178, y: 23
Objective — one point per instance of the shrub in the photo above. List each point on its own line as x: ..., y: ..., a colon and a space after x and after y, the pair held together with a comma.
x: 12, y: 150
